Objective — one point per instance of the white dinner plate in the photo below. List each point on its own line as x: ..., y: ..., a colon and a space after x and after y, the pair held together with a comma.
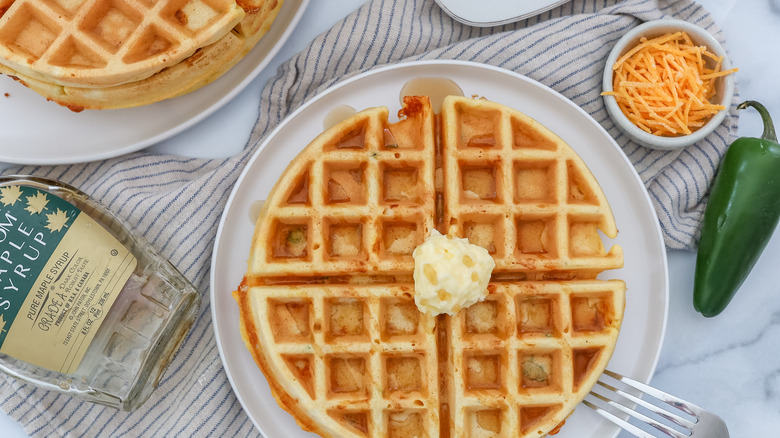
x: 645, y: 270
x: 34, y: 131
x: 495, y: 12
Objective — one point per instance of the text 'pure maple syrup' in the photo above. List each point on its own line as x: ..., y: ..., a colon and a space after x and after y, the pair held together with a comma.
x: 87, y: 307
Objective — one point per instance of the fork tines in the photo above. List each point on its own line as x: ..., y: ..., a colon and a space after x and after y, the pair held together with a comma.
x: 679, y: 415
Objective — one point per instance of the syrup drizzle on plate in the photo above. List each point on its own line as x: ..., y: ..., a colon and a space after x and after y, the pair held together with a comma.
x: 435, y: 88
x: 337, y: 115
x: 254, y: 210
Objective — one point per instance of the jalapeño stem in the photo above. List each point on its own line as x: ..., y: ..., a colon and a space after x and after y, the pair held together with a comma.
x: 769, y: 127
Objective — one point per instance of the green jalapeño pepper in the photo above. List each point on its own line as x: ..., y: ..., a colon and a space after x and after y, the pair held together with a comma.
x: 741, y: 215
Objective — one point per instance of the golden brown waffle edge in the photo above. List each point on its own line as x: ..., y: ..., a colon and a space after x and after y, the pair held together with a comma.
x: 204, y: 66
x: 105, y: 43
x: 500, y: 364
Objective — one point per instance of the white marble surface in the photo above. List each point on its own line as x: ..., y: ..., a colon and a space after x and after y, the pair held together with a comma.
x: 729, y: 364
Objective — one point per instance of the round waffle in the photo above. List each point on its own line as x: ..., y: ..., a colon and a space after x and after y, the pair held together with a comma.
x: 203, y: 66
x: 102, y: 43
x: 327, y: 307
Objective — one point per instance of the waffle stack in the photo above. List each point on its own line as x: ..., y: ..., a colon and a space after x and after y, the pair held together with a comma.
x: 102, y: 54
x: 327, y: 306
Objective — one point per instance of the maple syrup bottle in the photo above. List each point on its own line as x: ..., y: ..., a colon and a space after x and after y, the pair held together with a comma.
x: 87, y: 307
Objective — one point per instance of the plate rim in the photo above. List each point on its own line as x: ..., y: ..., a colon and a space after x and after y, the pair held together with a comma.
x: 657, y: 232
x: 213, y: 106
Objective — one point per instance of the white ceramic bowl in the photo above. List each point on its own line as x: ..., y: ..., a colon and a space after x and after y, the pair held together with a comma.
x: 724, y: 85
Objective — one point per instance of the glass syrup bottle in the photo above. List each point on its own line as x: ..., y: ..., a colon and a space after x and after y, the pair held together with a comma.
x: 87, y: 307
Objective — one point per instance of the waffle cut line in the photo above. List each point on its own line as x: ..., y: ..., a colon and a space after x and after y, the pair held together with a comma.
x: 327, y: 304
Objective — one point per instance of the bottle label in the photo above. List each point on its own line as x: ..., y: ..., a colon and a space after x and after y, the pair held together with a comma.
x: 60, y: 272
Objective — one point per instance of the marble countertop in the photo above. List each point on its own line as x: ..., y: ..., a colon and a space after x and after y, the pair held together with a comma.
x: 728, y: 364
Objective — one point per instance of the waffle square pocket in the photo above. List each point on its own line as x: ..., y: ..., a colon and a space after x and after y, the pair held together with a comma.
x: 367, y: 362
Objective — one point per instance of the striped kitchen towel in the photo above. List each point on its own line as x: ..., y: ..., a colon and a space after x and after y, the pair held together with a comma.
x: 564, y: 48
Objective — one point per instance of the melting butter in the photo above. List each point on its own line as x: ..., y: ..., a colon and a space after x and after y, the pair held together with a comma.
x: 450, y: 274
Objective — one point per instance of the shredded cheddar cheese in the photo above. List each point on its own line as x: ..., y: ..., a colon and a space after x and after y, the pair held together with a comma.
x: 664, y: 85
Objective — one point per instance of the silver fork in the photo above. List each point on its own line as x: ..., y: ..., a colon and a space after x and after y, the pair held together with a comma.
x: 698, y: 424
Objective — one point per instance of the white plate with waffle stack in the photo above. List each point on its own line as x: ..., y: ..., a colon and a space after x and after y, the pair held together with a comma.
x: 644, y: 270
x: 34, y: 131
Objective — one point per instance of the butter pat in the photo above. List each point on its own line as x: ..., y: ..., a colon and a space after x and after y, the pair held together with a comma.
x: 450, y: 274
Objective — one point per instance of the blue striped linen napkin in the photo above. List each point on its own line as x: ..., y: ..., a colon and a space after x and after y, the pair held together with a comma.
x: 564, y: 48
